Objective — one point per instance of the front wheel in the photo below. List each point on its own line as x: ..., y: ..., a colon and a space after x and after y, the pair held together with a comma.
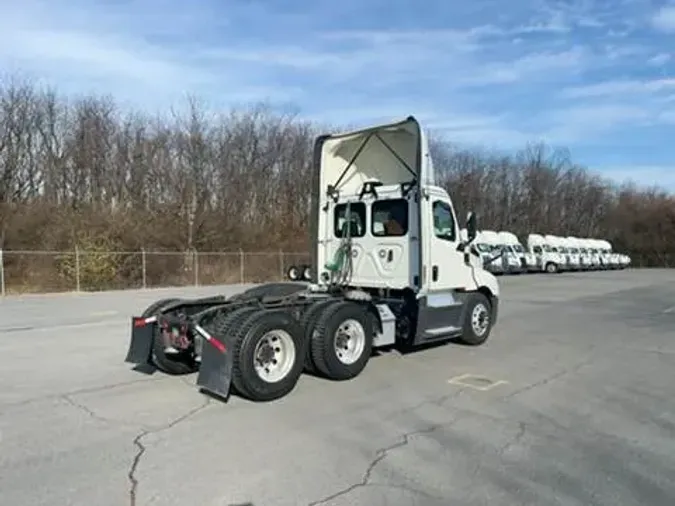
x: 477, y: 320
x: 551, y: 268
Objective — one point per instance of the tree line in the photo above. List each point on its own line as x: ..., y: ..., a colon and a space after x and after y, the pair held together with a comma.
x: 85, y: 172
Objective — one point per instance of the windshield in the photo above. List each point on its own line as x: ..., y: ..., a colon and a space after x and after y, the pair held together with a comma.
x: 574, y: 250
x: 563, y: 250
x: 483, y: 248
x: 547, y: 248
x: 583, y: 250
x: 518, y: 248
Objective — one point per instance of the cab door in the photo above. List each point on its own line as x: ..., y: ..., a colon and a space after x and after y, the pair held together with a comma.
x: 447, y: 274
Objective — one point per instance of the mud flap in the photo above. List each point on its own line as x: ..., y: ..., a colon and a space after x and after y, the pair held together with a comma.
x: 215, y: 369
x: 142, y: 335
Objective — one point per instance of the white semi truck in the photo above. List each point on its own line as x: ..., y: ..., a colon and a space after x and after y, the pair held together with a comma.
x: 555, y: 246
x: 493, y: 257
x: 388, y: 269
x: 572, y: 252
x: 526, y: 260
x: 546, y: 259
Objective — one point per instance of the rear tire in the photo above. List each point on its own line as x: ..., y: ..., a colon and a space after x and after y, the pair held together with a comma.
x: 308, y: 323
x: 268, y: 356
x: 477, y: 320
x: 175, y: 366
x: 342, y: 341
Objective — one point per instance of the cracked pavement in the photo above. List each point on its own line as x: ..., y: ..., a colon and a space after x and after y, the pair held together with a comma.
x: 585, y: 416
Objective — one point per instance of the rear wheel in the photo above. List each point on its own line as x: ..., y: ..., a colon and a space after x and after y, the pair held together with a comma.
x: 268, y: 355
x: 177, y: 364
x: 477, y: 320
x: 551, y: 268
x: 342, y: 342
x: 308, y: 323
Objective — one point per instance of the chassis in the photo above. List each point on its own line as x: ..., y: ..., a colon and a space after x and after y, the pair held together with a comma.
x: 260, y: 341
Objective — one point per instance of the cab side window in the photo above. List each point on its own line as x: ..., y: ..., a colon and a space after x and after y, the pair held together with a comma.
x: 357, y: 214
x: 537, y: 249
x: 444, y: 224
x: 389, y: 218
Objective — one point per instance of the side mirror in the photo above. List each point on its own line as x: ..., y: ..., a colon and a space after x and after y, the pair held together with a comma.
x: 471, y: 226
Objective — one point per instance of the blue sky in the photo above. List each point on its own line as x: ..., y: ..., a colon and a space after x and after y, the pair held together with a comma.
x: 595, y: 76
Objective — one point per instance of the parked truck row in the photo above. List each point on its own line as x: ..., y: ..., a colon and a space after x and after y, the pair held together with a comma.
x: 503, y: 253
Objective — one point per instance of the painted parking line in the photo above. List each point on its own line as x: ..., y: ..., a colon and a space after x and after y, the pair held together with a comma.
x: 476, y: 381
x: 670, y: 310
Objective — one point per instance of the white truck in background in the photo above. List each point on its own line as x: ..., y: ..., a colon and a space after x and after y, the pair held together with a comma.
x: 592, y: 250
x: 513, y: 253
x: 546, y: 257
x: 528, y: 261
x: 584, y: 258
x: 488, y: 245
x: 553, y: 242
x: 572, y: 252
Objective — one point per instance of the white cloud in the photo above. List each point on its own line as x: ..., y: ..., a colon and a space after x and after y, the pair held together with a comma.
x: 659, y: 60
x: 581, y: 124
x: 664, y: 19
x: 619, y: 87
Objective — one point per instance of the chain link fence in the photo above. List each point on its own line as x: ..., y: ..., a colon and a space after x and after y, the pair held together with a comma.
x: 65, y: 271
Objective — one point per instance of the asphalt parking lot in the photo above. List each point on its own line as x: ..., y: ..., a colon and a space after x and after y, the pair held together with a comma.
x: 573, y: 405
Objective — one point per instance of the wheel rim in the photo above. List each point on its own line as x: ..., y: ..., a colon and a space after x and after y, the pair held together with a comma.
x: 350, y: 341
x: 293, y: 273
x: 480, y: 319
x: 274, y: 355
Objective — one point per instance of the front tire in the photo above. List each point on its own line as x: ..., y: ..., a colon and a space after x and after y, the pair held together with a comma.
x: 477, y: 320
x: 342, y: 342
x: 551, y: 268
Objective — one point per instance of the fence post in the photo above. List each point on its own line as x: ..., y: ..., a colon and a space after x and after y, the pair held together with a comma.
x: 196, y: 267
x: 241, y: 266
x: 77, y: 269
x: 281, y: 264
x: 2, y: 273
x: 144, y: 267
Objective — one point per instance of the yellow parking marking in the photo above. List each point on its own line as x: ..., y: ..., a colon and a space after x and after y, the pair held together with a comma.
x: 476, y: 381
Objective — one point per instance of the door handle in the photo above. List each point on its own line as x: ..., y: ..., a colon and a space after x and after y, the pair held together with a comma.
x: 390, y: 256
x: 434, y: 273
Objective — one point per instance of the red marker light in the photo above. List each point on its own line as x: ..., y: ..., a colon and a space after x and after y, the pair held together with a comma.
x: 217, y: 344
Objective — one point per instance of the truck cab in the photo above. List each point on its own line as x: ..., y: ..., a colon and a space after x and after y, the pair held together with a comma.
x: 376, y: 193
x: 573, y: 253
x: 494, y: 260
x: 557, y: 259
